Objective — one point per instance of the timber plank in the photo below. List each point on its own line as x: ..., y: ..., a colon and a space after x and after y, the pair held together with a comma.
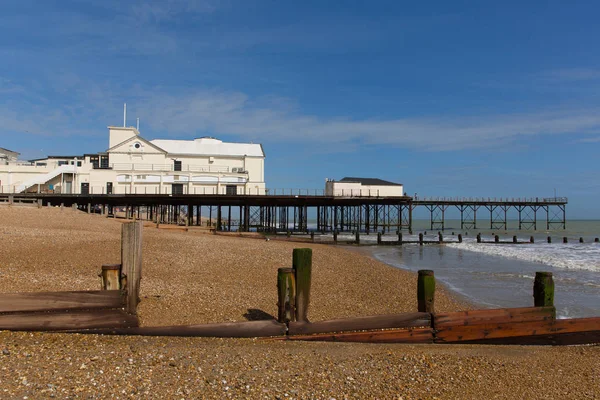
x: 501, y: 315
x: 242, y: 329
x: 412, y: 335
x: 557, y: 339
x: 67, y: 320
x: 49, y: 301
x: 454, y: 334
x: 390, y: 321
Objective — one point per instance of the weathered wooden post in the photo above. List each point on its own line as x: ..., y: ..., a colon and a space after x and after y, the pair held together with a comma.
x: 514, y: 238
x: 11, y: 199
x: 580, y: 240
x: 302, y: 264
x: 479, y: 238
x: 111, y: 276
x: 497, y: 239
x: 357, y: 237
x: 286, y: 290
x: 131, y: 260
x: 335, y: 237
x: 289, y: 234
x: 62, y: 206
x: 426, y: 290
x: 39, y: 203
x: 400, y: 238
x: 312, y: 236
x: 543, y: 290
x: 549, y: 239
x: 89, y: 208
x: 597, y: 240
x: 531, y: 239
x: 420, y: 239
x: 378, y: 238
x: 459, y: 238
x: 440, y: 237
x: 565, y: 240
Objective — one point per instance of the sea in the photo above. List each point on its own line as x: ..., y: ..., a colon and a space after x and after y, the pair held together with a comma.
x: 501, y: 275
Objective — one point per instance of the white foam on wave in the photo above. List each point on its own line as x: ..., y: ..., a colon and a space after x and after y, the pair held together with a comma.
x: 566, y: 256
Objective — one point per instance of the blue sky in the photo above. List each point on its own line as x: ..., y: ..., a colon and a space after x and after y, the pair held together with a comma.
x: 448, y: 98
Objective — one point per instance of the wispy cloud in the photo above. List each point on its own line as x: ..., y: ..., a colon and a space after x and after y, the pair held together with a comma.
x: 569, y: 75
x: 188, y: 114
x: 589, y: 140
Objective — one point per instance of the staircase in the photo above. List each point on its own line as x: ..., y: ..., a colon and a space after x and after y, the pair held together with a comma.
x: 42, y: 179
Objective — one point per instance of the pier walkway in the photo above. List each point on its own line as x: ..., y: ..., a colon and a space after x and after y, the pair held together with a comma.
x: 282, y: 213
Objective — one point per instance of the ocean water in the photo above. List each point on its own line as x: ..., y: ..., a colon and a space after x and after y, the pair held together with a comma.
x: 501, y: 275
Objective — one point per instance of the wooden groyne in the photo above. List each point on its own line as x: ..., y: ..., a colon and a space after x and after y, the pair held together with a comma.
x: 112, y: 311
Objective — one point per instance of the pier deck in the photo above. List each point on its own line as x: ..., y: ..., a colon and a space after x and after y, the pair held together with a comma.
x: 272, y: 213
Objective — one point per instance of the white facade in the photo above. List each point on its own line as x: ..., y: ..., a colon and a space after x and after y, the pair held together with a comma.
x: 363, y: 187
x: 134, y: 165
x: 7, y: 156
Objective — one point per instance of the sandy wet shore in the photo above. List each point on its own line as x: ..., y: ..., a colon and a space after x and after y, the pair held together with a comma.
x: 192, y: 277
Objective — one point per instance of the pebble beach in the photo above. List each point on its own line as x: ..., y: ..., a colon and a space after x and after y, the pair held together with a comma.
x: 194, y: 277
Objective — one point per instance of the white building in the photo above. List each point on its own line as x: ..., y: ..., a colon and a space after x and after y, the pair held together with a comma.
x: 134, y: 165
x: 7, y: 156
x: 363, y: 187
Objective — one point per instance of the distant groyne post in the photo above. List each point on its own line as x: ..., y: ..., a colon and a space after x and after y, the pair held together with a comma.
x: 426, y: 290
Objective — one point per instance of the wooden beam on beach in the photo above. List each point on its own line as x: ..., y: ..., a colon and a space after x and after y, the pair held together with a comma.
x: 391, y: 321
x: 480, y: 332
x: 413, y: 335
x: 425, y: 291
x: 502, y: 315
x: 131, y: 260
x: 543, y: 289
x: 302, y: 264
x: 51, y: 301
x: 244, y: 329
x: 286, y: 295
x: 67, y: 320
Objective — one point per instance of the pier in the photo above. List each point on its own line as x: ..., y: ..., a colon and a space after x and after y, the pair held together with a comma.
x: 291, y: 213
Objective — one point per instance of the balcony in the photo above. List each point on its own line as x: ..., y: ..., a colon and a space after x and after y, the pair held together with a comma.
x: 171, y: 168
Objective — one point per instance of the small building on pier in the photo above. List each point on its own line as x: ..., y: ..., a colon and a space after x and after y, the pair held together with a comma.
x: 135, y: 165
x: 363, y: 187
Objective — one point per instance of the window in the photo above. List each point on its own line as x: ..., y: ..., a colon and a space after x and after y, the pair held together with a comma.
x: 177, y: 166
x: 95, y: 160
x: 104, y: 162
x: 63, y: 163
x: 137, y: 145
x: 79, y: 163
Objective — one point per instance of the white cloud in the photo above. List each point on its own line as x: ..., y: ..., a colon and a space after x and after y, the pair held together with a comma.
x: 571, y: 75
x: 272, y: 119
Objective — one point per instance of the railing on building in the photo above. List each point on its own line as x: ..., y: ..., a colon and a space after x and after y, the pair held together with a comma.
x: 171, y: 168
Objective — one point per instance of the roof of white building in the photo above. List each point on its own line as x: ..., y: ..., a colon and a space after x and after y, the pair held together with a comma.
x: 3, y: 150
x: 370, y: 181
x: 209, y: 147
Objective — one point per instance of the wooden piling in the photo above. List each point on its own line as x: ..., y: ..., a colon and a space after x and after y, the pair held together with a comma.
x: 426, y: 291
x: 39, y: 203
x: 531, y: 239
x: 543, y: 290
x: 440, y: 237
x: 565, y: 240
x: 497, y: 239
x: 378, y: 237
x: 580, y: 240
x: 286, y: 290
x: 111, y: 277
x: 131, y: 260
x: 399, y: 238
x: 549, y: 239
x: 420, y: 239
x: 312, y: 236
x: 302, y: 264
x: 459, y: 238
x: 514, y: 238
x: 479, y: 238
x: 11, y: 199
x: 335, y: 235
x: 596, y: 240
x: 357, y: 240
